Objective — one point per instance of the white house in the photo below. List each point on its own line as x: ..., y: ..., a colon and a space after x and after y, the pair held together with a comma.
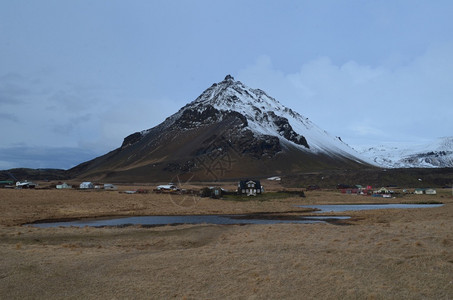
x: 25, y: 185
x: 430, y: 192
x: 86, y: 185
x: 63, y: 186
x: 419, y: 191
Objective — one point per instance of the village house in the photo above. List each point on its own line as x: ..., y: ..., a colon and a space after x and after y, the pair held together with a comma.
x: 358, y: 189
x: 419, y: 191
x: 86, y: 185
x: 25, y: 185
x: 250, y: 187
x: 430, y: 192
x: 63, y: 186
x: 383, y: 190
x: 427, y: 191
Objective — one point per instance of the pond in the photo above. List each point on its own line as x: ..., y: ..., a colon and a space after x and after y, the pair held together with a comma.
x: 190, y: 219
x: 149, y: 221
x: 357, y: 207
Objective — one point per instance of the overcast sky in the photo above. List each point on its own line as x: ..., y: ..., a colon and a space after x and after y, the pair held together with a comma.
x: 78, y: 76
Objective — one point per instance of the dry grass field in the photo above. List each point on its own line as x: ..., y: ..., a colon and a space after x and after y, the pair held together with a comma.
x: 380, y: 254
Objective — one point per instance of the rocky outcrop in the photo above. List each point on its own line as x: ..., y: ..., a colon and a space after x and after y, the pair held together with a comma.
x: 285, y: 130
x: 131, y: 139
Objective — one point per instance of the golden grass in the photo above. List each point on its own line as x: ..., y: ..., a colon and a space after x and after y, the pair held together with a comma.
x: 385, y: 254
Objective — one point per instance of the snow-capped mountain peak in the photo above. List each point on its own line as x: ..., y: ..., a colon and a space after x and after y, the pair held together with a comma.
x: 267, y: 116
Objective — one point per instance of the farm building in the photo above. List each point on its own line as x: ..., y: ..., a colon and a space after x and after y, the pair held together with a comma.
x: 383, y: 190
x: 6, y: 183
x: 213, y: 192
x: 171, y: 187
x: 86, y: 185
x: 250, y: 187
x: 430, y: 192
x: 109, y: 186
x: 25, y: 185
x: 427, y: 191
x: 63, y: 186
x: 419, y: 191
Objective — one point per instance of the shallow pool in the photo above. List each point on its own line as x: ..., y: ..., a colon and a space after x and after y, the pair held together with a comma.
x: 189, y: 219
x: 356, y: 207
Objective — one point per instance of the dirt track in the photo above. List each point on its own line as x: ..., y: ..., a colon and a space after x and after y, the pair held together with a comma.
x: 383, y: 254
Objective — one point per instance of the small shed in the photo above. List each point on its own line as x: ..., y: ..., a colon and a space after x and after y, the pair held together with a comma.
x: 213, y: 192
x: 86, y: 185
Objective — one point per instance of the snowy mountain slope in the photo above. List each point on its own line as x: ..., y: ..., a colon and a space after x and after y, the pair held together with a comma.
x: 266, y: 116
x: 229, y: 131
x: 438, y: 154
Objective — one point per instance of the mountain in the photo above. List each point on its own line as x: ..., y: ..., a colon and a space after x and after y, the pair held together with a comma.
x: 437, y: 154
x: 229, y: 131
x: 21, y: 174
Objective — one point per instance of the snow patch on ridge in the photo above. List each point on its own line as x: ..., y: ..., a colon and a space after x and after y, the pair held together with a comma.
x: 437, y: 154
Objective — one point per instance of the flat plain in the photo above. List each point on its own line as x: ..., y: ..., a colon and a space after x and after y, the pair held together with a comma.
x: 378, y: 254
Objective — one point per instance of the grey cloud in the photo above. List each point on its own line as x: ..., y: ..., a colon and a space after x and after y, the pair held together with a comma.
x: 13, y: 88
x: 366, y: 103
x: 8, y: 117
x: 76, y: 98
x: 43, y: 157
x: 72, y: 124
x: 12, y: 93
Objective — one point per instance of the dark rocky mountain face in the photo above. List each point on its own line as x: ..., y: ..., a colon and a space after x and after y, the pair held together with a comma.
x: 285, y: 130
x: 230, y: 131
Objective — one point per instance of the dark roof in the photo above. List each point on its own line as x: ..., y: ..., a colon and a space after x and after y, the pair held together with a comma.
x: 243, y: 183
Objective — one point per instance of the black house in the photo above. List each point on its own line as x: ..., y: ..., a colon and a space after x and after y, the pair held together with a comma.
x: 250, y: 187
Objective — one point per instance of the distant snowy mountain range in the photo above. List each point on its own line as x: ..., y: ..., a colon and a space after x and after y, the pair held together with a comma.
x: 438, y: 154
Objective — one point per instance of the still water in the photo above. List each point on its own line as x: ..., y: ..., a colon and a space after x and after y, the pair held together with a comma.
x: 356, y: 207
x: 231, y: 219
x: 188, y: 219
